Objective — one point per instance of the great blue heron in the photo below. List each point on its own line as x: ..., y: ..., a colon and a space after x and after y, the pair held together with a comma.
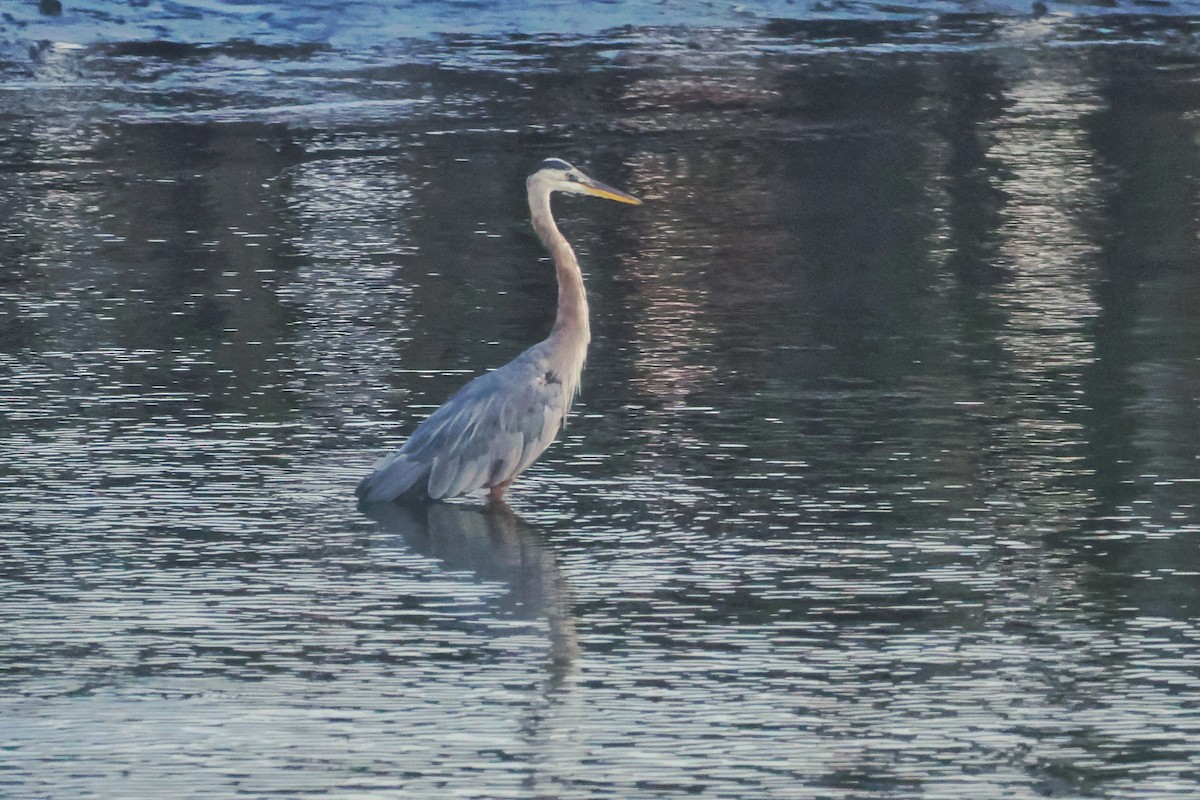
x: 493, y: 428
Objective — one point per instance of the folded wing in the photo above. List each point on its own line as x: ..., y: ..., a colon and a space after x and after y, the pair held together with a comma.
x: 489, y: 432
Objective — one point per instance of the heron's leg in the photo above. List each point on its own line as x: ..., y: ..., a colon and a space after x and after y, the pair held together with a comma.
x: 496, y: 492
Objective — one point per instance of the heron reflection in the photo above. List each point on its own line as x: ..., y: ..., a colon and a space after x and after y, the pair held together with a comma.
x: 496, y: 545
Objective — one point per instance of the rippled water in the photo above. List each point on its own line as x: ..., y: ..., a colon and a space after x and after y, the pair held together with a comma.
x: 884, y: 478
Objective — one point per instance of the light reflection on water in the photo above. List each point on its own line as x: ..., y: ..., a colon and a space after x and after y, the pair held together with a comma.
x: 883, y: 480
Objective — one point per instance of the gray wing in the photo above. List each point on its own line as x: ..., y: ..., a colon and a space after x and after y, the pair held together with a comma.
x: 489, y: 432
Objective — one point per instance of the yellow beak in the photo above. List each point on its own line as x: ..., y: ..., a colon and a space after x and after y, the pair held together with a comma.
x: 597, y: 189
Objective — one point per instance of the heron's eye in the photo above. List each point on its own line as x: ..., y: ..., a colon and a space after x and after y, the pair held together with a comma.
x: 572, y: 178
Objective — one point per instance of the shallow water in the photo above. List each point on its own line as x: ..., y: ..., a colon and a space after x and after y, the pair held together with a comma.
x: 884, y: 478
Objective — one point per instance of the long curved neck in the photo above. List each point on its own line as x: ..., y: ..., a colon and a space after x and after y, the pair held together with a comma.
x: 571, y: 323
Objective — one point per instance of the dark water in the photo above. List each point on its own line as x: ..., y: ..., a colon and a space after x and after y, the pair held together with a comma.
x: 884, y: 479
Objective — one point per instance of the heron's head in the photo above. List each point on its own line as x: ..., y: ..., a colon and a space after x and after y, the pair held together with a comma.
x: 556, y: 175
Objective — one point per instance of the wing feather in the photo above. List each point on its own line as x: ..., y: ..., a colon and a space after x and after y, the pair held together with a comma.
x: 395, y: 476
x: 490, y: 431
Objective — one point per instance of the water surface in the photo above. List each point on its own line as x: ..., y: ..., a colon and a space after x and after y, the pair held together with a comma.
x: 884, y: 478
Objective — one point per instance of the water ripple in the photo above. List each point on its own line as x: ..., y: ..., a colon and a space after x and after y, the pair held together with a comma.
x: 882, y: 482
